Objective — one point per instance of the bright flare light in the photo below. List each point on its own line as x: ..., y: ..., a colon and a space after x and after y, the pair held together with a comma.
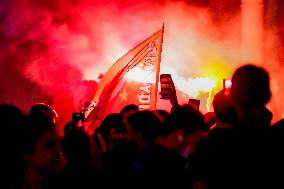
x: 191, y: 86
x: 140, y: 75
x: 202, y: 84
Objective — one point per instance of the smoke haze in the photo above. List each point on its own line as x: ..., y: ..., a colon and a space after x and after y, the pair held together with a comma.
x: 52, y: 51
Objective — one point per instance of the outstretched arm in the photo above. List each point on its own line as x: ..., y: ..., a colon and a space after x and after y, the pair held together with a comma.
x: 173, y: 96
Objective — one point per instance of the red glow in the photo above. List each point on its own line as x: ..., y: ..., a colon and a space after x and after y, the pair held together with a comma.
x: 49, y: 47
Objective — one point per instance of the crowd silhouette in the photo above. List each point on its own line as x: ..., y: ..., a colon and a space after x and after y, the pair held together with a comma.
x: 236, y: 146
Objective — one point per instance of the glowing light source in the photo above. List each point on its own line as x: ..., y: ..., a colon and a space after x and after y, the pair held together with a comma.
x: 228, y: 83
x: 203, y: 84
x: 141, y: 75
x: 191, y: 86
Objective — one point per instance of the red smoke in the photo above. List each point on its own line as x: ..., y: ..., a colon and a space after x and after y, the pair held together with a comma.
x: 48, y: 47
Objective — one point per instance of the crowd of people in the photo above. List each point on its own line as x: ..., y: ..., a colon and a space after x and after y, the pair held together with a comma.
x: 237, y: 148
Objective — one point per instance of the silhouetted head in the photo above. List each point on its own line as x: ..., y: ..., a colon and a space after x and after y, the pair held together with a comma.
x: 41, y: 110
x: 163, y: 114
x: 146, y: 123
x: 223, y: 109
x: 250, y: 86
x: 42, y: 146
x: 129, y: 108
x: 67, y: 127
x: 111, y: 126
x: 143, y: 128
x: 76, y: 145
x: 13, y: 123
x: 186, y: 118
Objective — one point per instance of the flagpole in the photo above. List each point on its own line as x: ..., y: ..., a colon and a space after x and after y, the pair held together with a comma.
x: 158, y: 68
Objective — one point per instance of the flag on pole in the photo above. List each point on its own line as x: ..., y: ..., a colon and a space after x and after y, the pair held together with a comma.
x: 133, y: 78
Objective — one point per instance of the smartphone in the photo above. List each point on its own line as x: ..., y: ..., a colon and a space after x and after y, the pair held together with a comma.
x: 227, y: 83
x: 166, y: 83
x: 78, y: 120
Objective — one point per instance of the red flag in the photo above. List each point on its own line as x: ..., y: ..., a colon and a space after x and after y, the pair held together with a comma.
x: 131, y: 79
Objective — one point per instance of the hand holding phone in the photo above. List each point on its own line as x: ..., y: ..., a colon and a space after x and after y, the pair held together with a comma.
x: 168, y: 90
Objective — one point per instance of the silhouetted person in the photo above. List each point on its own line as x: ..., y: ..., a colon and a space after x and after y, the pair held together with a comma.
x: 250, y: 92
x: 146, y: 126
x: 163, y: 164
x: 128, y: 110
x: 67, y: 127
x: 42, y: 110
x: 80, y: 171
x: 163, y: 114
x: 13, y: 123
x: 225, y: 114
x: 110, y: 130
x: 238, y: 156
x: 42, y: 150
